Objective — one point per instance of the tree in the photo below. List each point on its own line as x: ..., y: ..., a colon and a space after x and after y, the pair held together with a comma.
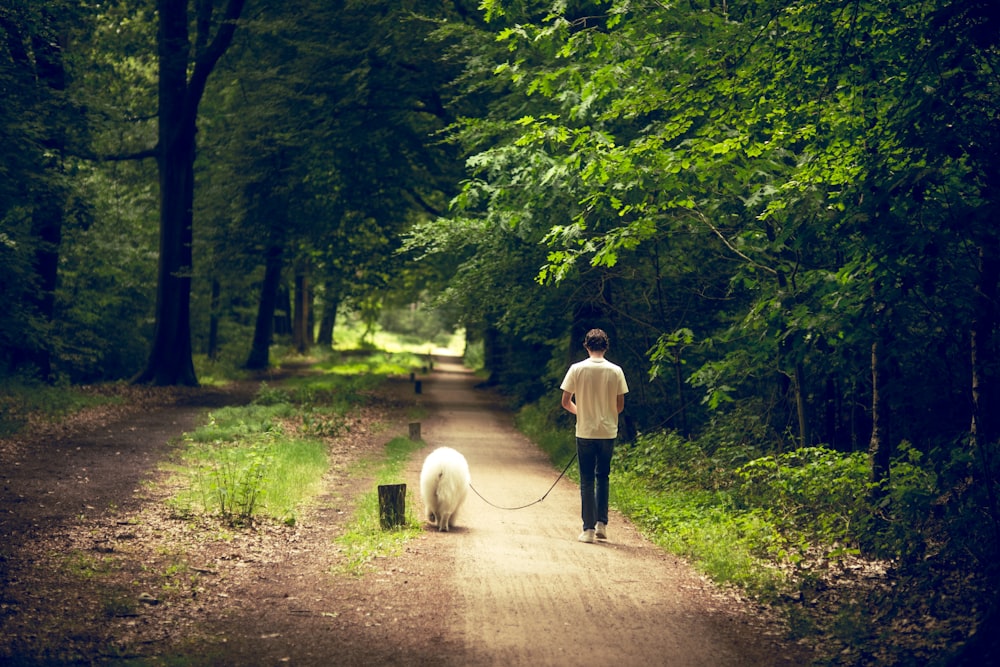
x: 170, y: 360
x: 351, y: 102
x: 829, y: 162
x: 36, y: 82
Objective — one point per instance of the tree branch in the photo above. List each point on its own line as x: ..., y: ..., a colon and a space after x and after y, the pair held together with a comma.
x: 722, y: 237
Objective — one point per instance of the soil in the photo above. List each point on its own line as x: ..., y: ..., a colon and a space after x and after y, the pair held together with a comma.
x: 95, y: 568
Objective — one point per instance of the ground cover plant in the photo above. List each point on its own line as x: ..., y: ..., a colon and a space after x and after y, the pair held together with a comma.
x: 23, y: 401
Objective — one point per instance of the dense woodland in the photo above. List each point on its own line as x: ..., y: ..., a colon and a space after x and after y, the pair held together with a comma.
x: 784, y: 212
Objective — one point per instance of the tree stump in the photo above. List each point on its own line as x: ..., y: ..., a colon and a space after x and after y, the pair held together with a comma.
x: 391, y: 505
x: 415, y: 431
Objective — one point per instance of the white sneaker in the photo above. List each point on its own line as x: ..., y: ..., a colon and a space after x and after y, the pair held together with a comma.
x: 587, y: 536
x: 601, y: 531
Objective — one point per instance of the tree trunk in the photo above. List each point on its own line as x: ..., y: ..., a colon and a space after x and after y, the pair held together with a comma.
x: 985, y: 407
x: 982, y: 429
x: 879, y: 450
x: 492, y: 356
x: 805, y: 437
x: 301, y: 330
x: 44, y: 64
x: 170, y: 361
x: 331, y: 301
x: 259, y: 357
x: 213, y: 321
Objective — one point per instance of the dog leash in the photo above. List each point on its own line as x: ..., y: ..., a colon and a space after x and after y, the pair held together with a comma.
x: 533, y: 502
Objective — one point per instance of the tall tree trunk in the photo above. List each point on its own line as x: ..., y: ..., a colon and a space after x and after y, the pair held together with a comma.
x: 170, y: 361
x: 44, y: 64
x: 301, y: 331
x: 985, y: 408
x: 681, y: 396
x: 982, y: 429
x: 879, y: 450
x: 328, y: 320
x: 805, y: 436
x: 259, y: 357
x: 213, y: 321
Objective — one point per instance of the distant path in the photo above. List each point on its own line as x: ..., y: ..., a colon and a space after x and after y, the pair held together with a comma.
x: 529, y: 594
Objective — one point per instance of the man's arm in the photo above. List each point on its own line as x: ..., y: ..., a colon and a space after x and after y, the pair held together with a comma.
x: 567, y: 402
x: 621, y: 402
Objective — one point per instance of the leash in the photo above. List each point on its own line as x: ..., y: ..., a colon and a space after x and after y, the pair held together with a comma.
x: 535, y: 502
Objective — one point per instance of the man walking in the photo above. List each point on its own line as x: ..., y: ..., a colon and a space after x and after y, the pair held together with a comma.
x: 594, y: 390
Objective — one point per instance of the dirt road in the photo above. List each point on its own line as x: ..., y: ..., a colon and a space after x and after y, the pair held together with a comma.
x: 94, y: 569
x: 528, y: 593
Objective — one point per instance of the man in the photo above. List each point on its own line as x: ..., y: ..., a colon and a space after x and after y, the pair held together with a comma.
x: 594, y: 390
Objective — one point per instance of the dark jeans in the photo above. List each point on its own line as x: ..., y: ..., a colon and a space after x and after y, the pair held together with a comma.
x: 595, y: 467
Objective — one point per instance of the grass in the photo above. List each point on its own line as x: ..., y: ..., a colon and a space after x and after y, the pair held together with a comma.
x: 350, y: 335
x: 267, y: 474
x: 365, y: 540
x: 22, y: 401
x: 267, y: 459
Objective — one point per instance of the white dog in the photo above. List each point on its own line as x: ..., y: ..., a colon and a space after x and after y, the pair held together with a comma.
x: 444, y: 483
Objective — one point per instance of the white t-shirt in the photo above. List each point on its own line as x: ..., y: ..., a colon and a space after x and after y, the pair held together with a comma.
x: 596, y: 383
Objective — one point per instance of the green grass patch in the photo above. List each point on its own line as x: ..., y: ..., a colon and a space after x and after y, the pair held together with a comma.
x: 364, y: 539
x: 23, y: 401
x: 700, y: 526
x: 244, y: 463
x: 374, y: 363
x: 262, y: 475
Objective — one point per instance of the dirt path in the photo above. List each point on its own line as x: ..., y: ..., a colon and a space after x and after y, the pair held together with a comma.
x: 529, y: 594
x: 505, y: 587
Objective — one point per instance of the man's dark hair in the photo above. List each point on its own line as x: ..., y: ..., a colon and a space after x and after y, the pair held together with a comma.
x: 596, y: 340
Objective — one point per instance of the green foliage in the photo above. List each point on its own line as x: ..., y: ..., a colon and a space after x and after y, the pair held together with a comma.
x: 728, y: 546
x: 236, y: 480
x: 268, y: 457
x: 815, y: 492
x: 669, y: 460
x: 536, y: 421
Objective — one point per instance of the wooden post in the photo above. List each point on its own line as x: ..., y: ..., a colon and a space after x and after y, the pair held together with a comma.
x: 415, y: 431
x: 391, y: 505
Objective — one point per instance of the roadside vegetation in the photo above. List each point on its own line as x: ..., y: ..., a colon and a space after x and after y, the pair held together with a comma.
x: 25, y: 401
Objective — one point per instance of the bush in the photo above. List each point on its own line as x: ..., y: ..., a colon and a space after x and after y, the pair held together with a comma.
x: 813, y: 490
x: 668, y: 460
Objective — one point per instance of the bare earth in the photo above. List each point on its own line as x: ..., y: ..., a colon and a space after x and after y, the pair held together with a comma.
x: 95, y: 570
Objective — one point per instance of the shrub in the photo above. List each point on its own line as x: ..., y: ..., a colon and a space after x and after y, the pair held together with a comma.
x: 814, y: 490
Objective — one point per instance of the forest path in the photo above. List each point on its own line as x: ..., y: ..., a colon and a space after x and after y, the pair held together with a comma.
x: 87, y: 539
x: 528, y: 593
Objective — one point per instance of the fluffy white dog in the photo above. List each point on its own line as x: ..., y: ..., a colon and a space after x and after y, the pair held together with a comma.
x: 444, y: 483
